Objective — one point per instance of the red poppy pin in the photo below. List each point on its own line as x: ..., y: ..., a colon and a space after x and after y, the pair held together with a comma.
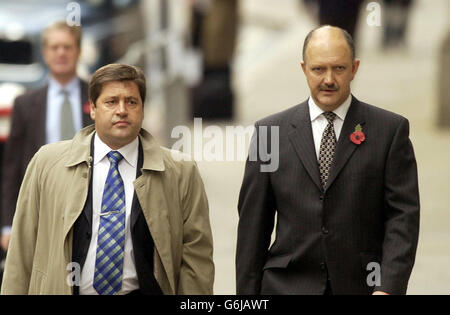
x: 357, y: 137
x: 87, y: 108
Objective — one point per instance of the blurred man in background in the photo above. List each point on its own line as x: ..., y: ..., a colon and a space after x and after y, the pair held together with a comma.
x: 52, y: 113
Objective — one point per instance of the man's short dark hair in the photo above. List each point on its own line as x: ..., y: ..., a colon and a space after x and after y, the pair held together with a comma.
x: 347, y: 36
x: 116, y: 72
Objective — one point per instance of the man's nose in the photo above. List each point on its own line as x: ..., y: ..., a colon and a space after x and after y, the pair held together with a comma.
x: 121, y: 108
x: 329, y: 78
x: 61, y: 50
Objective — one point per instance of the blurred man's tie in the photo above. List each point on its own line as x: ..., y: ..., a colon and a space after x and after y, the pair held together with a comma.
x: 67, y: 127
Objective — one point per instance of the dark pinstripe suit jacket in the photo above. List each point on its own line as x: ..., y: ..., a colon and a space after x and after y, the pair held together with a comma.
x: 368, y: 212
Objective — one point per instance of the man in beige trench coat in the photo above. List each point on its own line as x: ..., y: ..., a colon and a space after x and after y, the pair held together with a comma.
x: 110, y: 211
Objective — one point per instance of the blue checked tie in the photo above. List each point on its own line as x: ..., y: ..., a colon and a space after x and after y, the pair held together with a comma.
x: 111, y: 232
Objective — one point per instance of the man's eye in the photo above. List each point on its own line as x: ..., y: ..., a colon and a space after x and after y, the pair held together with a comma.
x: 340, y: 68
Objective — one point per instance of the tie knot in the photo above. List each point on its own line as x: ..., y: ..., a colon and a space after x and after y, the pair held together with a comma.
x: 330, y: 116
x: 114, y: 157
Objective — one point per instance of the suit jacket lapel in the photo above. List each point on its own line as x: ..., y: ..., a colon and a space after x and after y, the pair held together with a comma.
x: 344, y: 147
x: 89, y: 206
x: 302, y: 140
x: 85, y: 100
x: 136, y: 208
x: 40, y: 115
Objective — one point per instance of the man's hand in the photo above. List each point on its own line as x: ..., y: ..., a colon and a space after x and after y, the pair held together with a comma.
x: 4, y: 241
x: 380, y: 293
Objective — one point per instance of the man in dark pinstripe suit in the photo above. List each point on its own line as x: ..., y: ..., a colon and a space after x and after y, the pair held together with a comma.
x: 345, y: 192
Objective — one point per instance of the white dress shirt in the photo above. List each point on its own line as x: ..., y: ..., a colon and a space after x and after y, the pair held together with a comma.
x: 55, y: 99
x: 319, y: 122
x: 127, y: 170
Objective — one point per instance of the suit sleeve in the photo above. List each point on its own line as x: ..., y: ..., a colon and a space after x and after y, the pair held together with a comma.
x: 19, y: 261
x: 12, y: 162
x: 402, y: 214
x: 256, y: 209
x: 197, y: 266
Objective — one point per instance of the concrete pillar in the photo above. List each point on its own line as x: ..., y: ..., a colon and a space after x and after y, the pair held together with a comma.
x: 444, y: 84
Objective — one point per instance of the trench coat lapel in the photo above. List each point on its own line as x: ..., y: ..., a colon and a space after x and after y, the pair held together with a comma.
x: 80, y: 159
x: 154, y: 207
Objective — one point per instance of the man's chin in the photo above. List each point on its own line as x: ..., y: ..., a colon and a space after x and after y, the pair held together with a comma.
x: 122, y: 135
x: 119, y: 140
x: 328, y: 103
x: 63, y: 72
x: 125, y: 134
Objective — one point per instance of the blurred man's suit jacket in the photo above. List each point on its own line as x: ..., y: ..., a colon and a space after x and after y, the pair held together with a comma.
x: 27, y: 135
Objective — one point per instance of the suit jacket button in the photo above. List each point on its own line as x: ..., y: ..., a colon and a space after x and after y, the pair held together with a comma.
x: 322, y: 266
x: 321, y: 197
x: 324, y: 230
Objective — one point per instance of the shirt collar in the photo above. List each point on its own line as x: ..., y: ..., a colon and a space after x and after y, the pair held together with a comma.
x: 129, y: 151
x: 315, y: 111
x: 80, y: 150
x: 70, y: 87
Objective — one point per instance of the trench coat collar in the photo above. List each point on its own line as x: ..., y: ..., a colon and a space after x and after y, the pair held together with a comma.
x: 80, y: 150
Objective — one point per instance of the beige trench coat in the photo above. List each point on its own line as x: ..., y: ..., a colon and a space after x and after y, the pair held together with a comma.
x: 53, y: 195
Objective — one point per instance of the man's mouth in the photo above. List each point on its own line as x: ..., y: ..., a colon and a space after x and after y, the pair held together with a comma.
x: 121, y: 123
x: 328, y: 90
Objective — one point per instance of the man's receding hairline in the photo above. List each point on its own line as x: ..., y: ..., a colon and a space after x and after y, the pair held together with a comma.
x: 348, y: 39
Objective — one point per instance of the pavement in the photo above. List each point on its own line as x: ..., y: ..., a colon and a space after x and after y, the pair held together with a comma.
x: 268, y: 79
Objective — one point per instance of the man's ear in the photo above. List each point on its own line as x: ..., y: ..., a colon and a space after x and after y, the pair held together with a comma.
x: 92, y: 113
x: 303, y: 66
x: 355, y: 67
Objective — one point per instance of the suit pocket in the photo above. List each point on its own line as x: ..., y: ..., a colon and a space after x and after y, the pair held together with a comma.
x: 278, y: 262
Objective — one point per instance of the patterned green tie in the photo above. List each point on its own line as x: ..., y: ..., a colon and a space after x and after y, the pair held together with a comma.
x: 67, y: 127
